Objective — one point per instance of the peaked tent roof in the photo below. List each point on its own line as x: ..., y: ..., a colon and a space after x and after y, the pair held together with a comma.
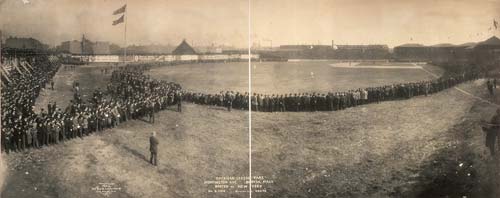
x: 183, y: 48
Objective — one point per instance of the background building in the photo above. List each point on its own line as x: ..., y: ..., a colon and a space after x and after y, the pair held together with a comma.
x: 99, y: 48
x: 412, y: 52
x: 483, y: 53
x: 85, y: 47
x: 487, y: 53
x: 71, y: 47
x: 366, y: 52
x: 24, y: 43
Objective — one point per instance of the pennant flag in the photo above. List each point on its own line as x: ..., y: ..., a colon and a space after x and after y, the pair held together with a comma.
x: 120, y: 20
x: 495, y: 23
x: 120, y: 10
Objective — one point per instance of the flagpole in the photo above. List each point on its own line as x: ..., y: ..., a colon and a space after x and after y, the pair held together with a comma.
x: 125, y: 51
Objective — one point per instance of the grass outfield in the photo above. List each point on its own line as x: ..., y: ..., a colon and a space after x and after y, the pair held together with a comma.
x: 391, y: 149
x: 206, y: 77
x: 284, y: 77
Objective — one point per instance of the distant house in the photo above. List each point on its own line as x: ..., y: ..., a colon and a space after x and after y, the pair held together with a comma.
x: 184, y: 49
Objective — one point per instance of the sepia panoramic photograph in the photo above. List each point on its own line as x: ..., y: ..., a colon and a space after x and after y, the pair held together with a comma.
x: 249, y: 98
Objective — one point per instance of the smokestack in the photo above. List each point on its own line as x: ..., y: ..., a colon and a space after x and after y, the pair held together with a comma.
x: 333, y: 43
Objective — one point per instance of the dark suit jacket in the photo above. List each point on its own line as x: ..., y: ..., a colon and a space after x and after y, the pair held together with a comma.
x: 153, y: 144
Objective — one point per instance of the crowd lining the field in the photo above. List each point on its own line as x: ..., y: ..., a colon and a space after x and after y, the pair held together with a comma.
x: 332, y: 101
x: 132, y: 95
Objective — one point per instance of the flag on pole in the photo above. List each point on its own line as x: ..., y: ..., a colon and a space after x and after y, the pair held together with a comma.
x: 120, y: 10
x: 495, y: 23
x: 120, y: 20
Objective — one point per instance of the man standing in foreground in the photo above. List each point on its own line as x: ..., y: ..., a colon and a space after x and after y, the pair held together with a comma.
x: 492, y: 132
x: 178, y: 98
x: 153, y: 148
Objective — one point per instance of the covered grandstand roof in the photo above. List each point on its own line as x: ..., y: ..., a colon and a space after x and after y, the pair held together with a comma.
x: 469, y: 44
x: 411, y: 45
x: 493, y: 41
x: 443, y: 45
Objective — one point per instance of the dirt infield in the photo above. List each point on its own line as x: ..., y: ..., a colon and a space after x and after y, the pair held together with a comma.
x: 374, y: 66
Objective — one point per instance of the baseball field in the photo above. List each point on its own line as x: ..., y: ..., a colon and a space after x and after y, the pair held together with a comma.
x: 289, y: 77
x: 423, y: 147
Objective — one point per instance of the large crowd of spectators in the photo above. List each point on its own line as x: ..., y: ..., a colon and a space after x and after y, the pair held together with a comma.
x: 330, y: 101
x: 21, y: 87
x: 130, y: 95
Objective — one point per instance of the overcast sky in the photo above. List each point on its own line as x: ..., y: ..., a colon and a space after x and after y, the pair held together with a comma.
x: 151, y: 21
x: 203, y: 22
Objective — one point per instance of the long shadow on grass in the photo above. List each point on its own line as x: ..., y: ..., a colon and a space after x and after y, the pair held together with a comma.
x: 135, y: 153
